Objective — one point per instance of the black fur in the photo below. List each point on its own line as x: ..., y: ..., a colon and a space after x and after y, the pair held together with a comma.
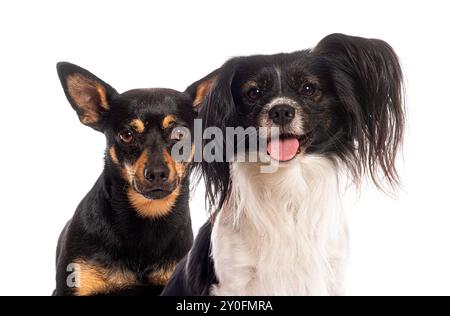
x: 106, y: 230
x: 194, y: 275
x: 354, y: 114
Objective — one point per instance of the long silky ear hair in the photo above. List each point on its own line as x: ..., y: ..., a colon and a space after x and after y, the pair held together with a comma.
x: 369, y: 84
x: 217, y: 109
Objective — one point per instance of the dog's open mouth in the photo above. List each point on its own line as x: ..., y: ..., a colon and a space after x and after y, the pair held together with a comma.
x: 287, y: 146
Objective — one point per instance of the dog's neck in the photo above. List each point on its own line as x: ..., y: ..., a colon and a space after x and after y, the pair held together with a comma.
x: 302, y: 188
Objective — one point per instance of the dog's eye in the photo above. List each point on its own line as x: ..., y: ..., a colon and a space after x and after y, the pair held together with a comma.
x: 308, y: 89
x: 254, y: 93
x: 179, y: 133
x: 126, y: 136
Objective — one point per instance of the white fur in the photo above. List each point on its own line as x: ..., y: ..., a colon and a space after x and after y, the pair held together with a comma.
x: 281, y: 233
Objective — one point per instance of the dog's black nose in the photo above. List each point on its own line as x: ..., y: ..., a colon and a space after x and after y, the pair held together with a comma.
x: 156, y: 175
x: 282, y: 114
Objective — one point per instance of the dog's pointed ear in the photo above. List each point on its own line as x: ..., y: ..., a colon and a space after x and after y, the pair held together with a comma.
x: 369, y: 83
x: 89, y: 96
x: 200, y: 89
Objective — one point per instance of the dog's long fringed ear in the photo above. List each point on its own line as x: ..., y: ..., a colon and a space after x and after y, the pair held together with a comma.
x: 213, y: 98
x: 89, y: 96
x: 369, y: 83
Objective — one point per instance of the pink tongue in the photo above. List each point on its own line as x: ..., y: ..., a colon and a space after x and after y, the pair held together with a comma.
x: 283, y: 149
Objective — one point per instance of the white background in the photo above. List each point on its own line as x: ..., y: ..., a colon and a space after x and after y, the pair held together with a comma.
x: 49, y: 160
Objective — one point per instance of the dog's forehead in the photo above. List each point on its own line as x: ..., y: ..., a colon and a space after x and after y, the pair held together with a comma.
x: 153, y: 97
x: 149, y: 107
x: 273, y: 65
x: 151, y: 102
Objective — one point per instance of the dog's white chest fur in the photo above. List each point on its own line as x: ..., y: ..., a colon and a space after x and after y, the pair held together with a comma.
x: 281, y: 233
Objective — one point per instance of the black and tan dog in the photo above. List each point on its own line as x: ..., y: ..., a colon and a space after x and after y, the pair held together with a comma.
x: 131, y: 229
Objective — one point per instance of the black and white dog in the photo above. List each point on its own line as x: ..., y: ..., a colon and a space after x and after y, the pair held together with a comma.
x: 339, y: 109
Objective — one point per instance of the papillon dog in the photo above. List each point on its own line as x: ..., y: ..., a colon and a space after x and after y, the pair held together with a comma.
x: 339, y: 110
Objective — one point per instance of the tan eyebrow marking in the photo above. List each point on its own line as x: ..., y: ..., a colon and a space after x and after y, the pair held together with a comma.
x: 138, y: 125
x: 168, y: 120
